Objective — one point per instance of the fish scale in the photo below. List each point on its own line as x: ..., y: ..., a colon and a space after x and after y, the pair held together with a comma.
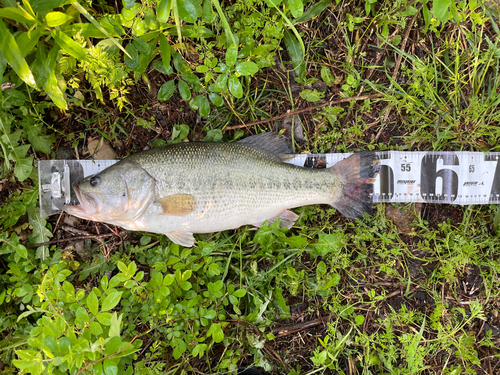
x: 198, y: 187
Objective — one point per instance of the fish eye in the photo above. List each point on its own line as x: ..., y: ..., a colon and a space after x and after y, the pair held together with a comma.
x: 94, y: 181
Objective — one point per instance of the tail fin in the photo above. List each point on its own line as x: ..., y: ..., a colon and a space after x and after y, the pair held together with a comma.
x: 357, y: 174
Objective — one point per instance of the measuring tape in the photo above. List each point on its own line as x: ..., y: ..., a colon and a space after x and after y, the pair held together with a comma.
x: 463, y: 178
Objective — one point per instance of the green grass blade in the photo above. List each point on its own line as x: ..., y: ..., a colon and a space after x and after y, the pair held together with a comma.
x: 83, y: 11
x: 225, y: 24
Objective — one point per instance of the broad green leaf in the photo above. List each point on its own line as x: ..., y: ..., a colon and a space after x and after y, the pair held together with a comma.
x: 195, y: 103
x: 220, y: 83
x: 130, y: 14
x: 179, y: 349
x: 93, y: 303
x: 39, y: 142
x: 189, y: 10
x: 168, y: 280
x: 95, y: 328
x: 204, y: 107
x: 139, y: 27
x: 68, y: 44
x: 112, y: 26
x: 240, y: 293
x: 158, y: 65
x: 17, y: 14
x: 247, y: 68
x: 441, y: 11
x: 14, y: 57
x: 231, y: 55
x: 184, y: 90
x: 166, y: 90
x: 45, y: 73
x: 40, y: 233
x: 86, y: 30
x: 165, y: 51
x: 216, y: 99
x: 22, y: 252
x: 104, y: 318
x: 26, y: 41
x: 296, y: 7
x: 128, y: 3
x: 110, y: 367
x: 57, y: 18
x: 111, y: 300
x: 131, y: 62
x: 115, y: 324
x: 43, y: 5
x: 217, y: 333
x: 235, y: 87
x: 313, y: 11
x: 213, y: 135
x: 150, y: 19
x: 295, y: 51
x: 69, y: 288
x: 82, y: 315
x: 163, y: 10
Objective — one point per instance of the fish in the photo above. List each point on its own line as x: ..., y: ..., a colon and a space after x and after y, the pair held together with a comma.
x: 202, y: 187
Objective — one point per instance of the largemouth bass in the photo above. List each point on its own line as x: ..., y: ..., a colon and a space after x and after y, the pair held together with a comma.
x: 198, y: 187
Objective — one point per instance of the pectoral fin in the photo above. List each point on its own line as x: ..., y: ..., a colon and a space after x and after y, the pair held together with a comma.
x: 177, y: 204
x: 185, y: 239
x: 287, y: 219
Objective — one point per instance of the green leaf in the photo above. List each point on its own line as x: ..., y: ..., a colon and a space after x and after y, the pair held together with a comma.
x: 295, y: 51
x: 247, y: 68
x: 95, y: 328
x: 216, y: 99
x: 189, y: 10
x: 110, y: 367
x: 26, y: 41
x: 92, y: 20
x: 231, y: 55
x: 168, y: 280
x: 115, y: 325
x: 39, y: 142
x: 313, y: 11
x: 179, y: 349
x: 296, y: 7
x: 14, y: 57
x: 165, y: 51
x: 43, y: 5
x: 82, y: 315
x: 235, y: 87
x: 104, y: 318
x: 57, y: 18
x: 68, y: 44
x: 131, y: 62
x: 40, y: 233
x: 163, y: 10
x: 22, y: 252
x: 158, y: 65
x: 240, y: 293
x: 441, y: 11
x: 166, y: 90
x: 112, y: 26
x: 204, y: 107
x: 111, y: 300
x: 44, y: 71
x: 17, y: 14
x: 128, y: 3
x: 69, y: 288
x: 217, y: 333
x: 93, y: 303
x: 213, y: 135
x: 321, y: 269
x: 184, y: 90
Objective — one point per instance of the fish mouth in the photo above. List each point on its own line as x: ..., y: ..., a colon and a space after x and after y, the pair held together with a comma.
x: 89, y: 205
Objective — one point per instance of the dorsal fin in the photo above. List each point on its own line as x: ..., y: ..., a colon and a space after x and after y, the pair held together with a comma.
x: 273, y: 144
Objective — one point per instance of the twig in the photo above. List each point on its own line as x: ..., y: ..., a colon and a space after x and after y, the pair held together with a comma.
x: 108, y: 356
x: 308, y: 109
x: 90, y: 236
x: 294, y: 328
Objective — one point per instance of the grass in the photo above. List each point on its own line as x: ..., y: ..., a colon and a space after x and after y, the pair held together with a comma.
x: 414, y: 291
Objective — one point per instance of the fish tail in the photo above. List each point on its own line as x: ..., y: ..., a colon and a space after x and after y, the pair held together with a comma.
x: 356, y: 176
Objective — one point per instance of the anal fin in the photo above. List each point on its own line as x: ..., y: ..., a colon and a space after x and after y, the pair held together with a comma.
x: 287, y: 219
x: 182, y: 238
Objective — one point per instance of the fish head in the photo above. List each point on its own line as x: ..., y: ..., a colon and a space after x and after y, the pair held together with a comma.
x: 120, y: 193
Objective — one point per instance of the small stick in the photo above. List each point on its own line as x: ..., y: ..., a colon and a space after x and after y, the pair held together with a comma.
x: 299, y: 111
